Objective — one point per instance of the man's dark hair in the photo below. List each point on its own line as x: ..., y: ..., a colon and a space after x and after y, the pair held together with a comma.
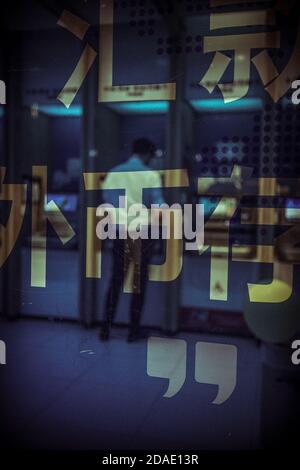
x: 143, y: 147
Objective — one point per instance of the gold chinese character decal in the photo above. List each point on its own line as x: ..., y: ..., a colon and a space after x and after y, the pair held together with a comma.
x: 106, y: 90
x: 10, y: 231
x: 276, y: 84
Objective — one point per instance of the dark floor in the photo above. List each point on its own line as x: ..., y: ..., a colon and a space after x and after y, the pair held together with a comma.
x: 63, y: 388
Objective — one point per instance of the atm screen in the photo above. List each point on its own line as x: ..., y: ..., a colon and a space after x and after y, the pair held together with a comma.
x: 65, y: 202
x: 219, y: 210
x: 292, y: 210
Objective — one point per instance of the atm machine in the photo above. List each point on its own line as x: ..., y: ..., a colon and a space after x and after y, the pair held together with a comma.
x: 214, y: 282
x: 50, y: 283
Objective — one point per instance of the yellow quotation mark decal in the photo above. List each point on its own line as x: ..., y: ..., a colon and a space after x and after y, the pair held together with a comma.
x: 215, y: 364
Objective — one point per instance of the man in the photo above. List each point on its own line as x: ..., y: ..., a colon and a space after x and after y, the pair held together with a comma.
x: 138, y: 251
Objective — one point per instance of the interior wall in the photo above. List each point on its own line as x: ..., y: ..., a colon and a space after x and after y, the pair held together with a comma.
x: 107, y: 131
x: 35, y: 141
x: 66, y: 136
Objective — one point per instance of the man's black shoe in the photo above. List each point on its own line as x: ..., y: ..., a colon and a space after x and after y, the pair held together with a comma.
x: 104, y: 334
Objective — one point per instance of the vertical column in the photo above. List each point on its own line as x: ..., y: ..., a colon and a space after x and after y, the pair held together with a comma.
x: 88, y: 287
x: 175, y: 160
